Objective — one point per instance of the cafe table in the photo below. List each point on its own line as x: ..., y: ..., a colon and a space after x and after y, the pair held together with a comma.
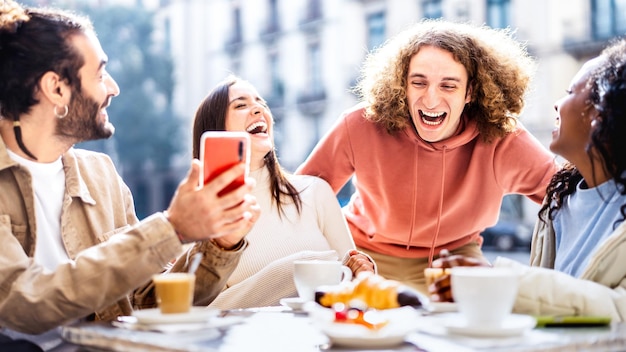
x: 281, y: 329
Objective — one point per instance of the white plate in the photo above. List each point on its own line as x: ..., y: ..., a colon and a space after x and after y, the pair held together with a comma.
x: 440, y: 307
x: 295, y: 303
x: 154, y: 316
x: 513, y: 325
x: 401, y: 322
x: 366, y: 341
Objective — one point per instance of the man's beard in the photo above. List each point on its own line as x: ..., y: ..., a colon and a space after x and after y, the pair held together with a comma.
x: 83, y: 122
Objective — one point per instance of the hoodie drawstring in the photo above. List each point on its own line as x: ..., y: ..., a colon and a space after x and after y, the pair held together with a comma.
x: 443, y: 176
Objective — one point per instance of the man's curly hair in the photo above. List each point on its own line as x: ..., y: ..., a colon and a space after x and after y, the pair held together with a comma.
x: 499, y: 72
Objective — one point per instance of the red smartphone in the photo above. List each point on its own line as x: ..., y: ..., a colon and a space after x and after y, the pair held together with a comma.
x: 221, y: 150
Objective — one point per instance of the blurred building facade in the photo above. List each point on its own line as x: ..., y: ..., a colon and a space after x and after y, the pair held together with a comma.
x: 305, y: 55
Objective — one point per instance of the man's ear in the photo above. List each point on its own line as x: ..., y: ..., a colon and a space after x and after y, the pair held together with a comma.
x: 468, y: 94
x: 54, y: 89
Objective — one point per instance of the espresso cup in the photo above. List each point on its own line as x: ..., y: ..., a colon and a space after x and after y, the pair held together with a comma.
x: 308, y: 275
x: 484, y: 296
x: 174, y: 292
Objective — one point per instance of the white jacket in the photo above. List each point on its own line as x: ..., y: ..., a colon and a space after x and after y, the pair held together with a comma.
x: 601, y: 289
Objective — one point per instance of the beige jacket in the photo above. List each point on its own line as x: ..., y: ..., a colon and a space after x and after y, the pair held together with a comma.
x: 112, y: 252
x: 601, y: 289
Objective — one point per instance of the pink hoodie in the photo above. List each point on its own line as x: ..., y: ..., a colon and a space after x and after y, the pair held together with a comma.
x: 414, y: 198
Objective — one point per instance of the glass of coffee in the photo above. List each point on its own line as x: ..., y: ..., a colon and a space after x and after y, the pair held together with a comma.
x: 174, y: 291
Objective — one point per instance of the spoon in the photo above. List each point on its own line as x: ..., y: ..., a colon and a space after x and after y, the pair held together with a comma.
x: 195, y: 263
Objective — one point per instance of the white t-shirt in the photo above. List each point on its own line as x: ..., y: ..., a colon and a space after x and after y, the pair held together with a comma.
x: 49, y: 186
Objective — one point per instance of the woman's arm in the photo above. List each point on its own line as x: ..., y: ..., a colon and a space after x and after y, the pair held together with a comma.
x: 545, y: 291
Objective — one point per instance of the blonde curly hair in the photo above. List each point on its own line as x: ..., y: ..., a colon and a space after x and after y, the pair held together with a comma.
x: 499, y: 72
x: 11, y: 15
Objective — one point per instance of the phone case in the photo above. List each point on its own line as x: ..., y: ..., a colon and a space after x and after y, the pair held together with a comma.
x: 579, y: 320
x: 221, y: 150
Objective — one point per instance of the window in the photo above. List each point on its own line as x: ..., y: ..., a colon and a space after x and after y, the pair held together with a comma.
x: 236, y: 34
x: 314, y: 10
x: 608, y: 18
x: 498, y: 13
x: 277, y: 84
x: 432, y: 9
x: 315, y: 69
x: 141, y: 197
x: 375, y: 29
x: 272, y: 23
x: 235, y: 40
x: 167, y: 29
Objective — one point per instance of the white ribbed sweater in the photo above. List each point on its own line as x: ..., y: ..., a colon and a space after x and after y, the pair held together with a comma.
x: 265, y: 271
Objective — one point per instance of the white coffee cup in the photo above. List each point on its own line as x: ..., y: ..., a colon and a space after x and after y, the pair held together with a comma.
x: 484, y: 296
x: 308, y: 275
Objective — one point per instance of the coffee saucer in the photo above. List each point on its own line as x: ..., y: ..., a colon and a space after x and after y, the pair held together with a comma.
x: 440, y: 307
x: 154, y: 316
x: 513, y: 325
x: 295, y: 303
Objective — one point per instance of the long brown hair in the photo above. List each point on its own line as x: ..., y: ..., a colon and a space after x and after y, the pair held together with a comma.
x: 211, y: 116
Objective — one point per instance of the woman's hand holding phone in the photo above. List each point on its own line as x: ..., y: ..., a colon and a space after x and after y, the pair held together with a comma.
x: 219, y: 151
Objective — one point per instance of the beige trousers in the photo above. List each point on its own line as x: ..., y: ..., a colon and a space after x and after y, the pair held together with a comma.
x: 410, y: 271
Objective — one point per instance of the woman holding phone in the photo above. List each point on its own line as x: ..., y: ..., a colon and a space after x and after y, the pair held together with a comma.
x: 300, y: 215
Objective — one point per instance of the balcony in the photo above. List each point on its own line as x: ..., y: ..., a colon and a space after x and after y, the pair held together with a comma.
x: 270, y: 31
x: 275, y: 101
x: 584, y: 47
x: 312, y: 15
x: 234, y: 44
x: 312, y: 103
x: 604, y: 22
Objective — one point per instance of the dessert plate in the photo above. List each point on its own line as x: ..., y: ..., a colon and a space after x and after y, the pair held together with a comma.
x: 513, y: 325
x: 366, y: 340
x: 400, y: 323
x: 154, y: 316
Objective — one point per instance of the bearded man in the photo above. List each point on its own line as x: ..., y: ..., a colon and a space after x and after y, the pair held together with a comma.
x: 72, y: 246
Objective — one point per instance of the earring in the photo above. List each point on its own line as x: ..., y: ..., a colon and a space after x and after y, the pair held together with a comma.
x: 65, y: 112
x: 594, y: 122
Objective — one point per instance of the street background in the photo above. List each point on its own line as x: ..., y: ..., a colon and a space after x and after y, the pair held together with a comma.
x: 304, y: 56
x: 521, y: 255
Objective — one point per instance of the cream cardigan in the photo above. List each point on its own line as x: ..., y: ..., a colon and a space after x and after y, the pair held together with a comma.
x: 601, y: 289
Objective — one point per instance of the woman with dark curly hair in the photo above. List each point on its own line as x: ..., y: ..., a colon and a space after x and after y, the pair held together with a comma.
x: 434, y: 146
x: 581, y: 232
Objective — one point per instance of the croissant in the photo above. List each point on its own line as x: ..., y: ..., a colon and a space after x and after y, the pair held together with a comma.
x: 371, y: 290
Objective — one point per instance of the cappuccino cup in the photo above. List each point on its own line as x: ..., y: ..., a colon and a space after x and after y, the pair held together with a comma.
x: 308, y: 275
x: 484, y: 296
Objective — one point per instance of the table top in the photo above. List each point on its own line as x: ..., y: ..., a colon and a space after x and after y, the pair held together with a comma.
x: 280, y: 329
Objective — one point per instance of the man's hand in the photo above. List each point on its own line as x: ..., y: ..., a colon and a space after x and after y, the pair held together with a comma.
x: 198, y: 213
x: 441, y: 289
